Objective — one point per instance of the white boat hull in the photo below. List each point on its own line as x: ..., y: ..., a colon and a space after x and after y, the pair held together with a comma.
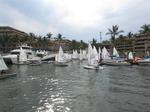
x: 11, y: 59
x: 92, y: 67
x: 115, y: 63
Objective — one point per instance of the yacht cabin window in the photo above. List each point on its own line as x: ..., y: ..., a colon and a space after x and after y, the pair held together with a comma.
x: 27, y: 48
x: 17, y: 53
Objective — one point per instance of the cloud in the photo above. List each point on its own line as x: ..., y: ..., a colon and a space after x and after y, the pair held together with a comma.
x: 14, y: 17
x: 75, y: 19
x: 83, y: 13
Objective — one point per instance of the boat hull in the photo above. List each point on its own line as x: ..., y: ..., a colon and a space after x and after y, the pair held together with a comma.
x: 35, y: 63
x: 144, y: 63
x: 61, y: 64
x: 92, y: 67
x: 117, y: 63
x: 4, y: 76
x: 10, y: 59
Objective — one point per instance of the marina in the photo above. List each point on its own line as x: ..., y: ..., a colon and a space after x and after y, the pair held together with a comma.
x: 74, y: 56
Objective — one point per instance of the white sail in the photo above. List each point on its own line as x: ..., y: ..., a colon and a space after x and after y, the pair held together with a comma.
x: 81, y: 55
x: 92, y: 56
x: 72, y: 52
x: 3, y: 66
x: 61, y: 56
x: 115, y: 52
x: 95, y: 53
x: 75, y: 54
x: 130, y: 55
x: 60, y: 51
x: 56, y: 57
x: 23, y: 55
x: 95, y: 57
x: 105, y: 54
x: 89, y: 53
x: 69, y: 57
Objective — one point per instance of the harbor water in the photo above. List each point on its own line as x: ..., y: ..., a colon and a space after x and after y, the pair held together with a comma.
x: 48, y: 88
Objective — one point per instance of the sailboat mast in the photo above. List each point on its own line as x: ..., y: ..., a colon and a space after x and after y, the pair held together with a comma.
x: 100, y: 60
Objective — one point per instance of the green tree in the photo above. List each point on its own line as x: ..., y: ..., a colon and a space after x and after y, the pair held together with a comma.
x: 145, y: 29
x: 74, y: 45
x: 121, y: 38
x: 32, y: 38
x: 59, y: 37
x: 49, y: 35
x: 83, y: 45
x: 94, y: 42
x: 130, y: 35
x: 77, y: 45
x: 106, y: 42
x: 114, y: 32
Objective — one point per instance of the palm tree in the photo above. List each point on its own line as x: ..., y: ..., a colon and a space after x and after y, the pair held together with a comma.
x: 94, y: 42
x: 59, y: 37
x: 114, y: 32
x: 106, y: 42
x: 130, y: 35
x: 49, y: 35
x: 32, y: 38
x: 145, y: 29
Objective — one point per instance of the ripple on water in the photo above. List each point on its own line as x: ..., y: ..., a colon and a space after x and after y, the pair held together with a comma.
x: 73, y: 89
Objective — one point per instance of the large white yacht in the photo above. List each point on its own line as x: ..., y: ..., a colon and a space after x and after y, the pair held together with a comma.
x: 21, y: 53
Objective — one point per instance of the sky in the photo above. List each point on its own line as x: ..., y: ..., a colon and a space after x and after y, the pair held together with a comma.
x: 75, y: 19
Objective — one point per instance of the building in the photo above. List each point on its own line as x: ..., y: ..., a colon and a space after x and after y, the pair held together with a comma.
x: 6, y: 35
x: 142, y: 45
x: 125, y: 45
x: 54, y: 45
x: 11, y: 31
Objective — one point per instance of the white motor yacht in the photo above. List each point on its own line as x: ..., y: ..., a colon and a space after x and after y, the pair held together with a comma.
x: 14, y: 56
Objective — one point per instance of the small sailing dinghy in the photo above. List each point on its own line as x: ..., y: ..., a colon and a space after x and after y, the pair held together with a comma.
x: 116, y: 60
x: 105, y: 56
x: 93, y: 59
x: 4, y: 69
x: 60, y: 58
x: 75, y: 55
x: 132, y: 59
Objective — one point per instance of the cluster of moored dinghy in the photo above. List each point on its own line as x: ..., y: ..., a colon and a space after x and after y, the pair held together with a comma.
x: 101, y: 57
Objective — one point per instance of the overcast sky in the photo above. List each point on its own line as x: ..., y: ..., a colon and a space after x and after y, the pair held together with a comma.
x: 74, y: 19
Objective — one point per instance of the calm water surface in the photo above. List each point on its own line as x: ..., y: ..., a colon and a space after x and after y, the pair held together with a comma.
x: 48, y: 88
